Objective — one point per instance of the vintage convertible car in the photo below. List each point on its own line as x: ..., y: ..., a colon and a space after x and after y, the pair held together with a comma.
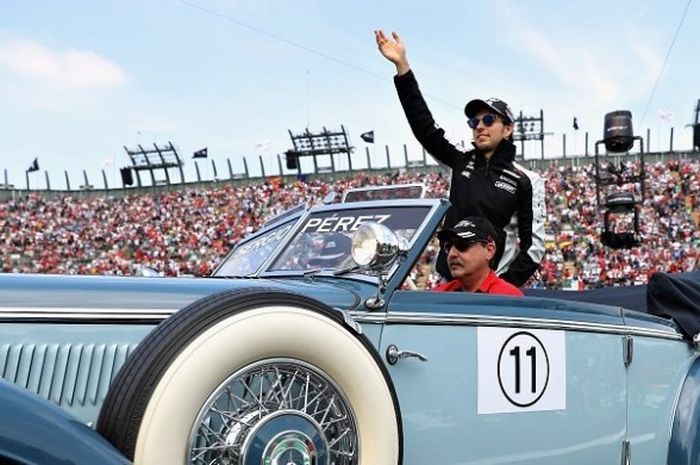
x: 311, y: 345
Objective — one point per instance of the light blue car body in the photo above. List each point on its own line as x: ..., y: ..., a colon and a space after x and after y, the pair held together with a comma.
x: 630, y: 392
x: 33, y: 431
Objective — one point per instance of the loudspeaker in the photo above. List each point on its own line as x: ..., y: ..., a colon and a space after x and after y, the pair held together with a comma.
x: 618, y: 135
x: 696, y: 136
x: 292, y: 160
x: 127, y: 177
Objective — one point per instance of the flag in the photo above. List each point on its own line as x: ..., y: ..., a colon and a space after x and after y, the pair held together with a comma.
x: 665, y: 115
x: 263, y: 146
x: 107, y: 162
x: 200, y: 153
x: 34, y: 166
x: 575, y: 124
x: 368, y: 137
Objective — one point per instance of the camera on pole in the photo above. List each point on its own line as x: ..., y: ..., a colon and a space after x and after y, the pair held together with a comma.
x: 622, y: 187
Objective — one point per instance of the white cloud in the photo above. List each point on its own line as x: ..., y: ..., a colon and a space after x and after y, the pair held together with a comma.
x: 70, y: 70
x: 577, y: 68
x: 590, y: 67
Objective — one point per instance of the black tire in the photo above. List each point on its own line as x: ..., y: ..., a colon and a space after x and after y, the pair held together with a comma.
x: 163, y: 403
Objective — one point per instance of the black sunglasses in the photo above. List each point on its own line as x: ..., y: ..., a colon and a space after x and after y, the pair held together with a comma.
x: 488, y: 119
x: 460, y: 244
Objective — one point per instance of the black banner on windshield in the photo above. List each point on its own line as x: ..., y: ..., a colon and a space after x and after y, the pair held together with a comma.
x: 348, y: 221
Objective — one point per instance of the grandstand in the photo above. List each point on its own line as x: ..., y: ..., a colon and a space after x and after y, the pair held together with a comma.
x: 186, y: 231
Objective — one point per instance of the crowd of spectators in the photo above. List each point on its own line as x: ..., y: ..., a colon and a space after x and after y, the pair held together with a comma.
x: 669, y: 220
x: 187, y: 232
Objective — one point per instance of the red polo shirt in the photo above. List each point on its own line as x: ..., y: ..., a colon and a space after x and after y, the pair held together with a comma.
x: 491, y: 285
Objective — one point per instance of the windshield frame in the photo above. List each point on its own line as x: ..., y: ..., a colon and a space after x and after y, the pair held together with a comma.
x: 432, y: 206
x: 299, y: 218
x: 264, y: 230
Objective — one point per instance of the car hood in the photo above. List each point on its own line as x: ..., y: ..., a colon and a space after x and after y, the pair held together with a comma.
x: 107, y: 292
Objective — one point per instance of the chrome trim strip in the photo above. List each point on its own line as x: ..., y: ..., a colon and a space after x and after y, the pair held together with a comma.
x: 519, y: 322
x: 82, y: 314
x: 658, y: 333
x: 362, y: 316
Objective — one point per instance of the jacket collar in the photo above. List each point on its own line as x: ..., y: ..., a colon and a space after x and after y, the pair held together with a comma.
x: 505, y: 150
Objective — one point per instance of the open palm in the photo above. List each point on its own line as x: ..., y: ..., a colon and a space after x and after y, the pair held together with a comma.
x: 393, y: 50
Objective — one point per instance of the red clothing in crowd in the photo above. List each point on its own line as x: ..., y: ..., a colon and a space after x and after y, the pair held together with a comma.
x: 491, y: 285
x: 177, y: 232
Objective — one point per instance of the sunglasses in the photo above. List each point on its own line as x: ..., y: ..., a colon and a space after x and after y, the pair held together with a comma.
x: 460, y: 244
x: 488, y: 119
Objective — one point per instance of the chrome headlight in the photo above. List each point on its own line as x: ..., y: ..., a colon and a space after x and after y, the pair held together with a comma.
x: 375, y: 246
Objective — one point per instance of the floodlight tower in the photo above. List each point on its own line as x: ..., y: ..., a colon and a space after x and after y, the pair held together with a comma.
x: 308, y: 144
x: 152, y: 160
x: 528, y: 128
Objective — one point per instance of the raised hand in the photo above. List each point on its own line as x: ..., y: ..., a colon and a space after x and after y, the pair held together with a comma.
x: 393, y: 50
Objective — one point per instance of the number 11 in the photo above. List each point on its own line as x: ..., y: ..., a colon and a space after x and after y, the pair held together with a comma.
x: 515, y: 352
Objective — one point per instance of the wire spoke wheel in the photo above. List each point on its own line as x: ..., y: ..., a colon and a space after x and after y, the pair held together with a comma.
x: 254, y: 377
x: 275, y: 412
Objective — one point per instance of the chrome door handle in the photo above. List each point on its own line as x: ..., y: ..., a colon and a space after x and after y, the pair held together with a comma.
x: 393, y: 354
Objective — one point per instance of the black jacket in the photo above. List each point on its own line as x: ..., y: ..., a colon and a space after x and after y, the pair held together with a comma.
x: 509, y: 195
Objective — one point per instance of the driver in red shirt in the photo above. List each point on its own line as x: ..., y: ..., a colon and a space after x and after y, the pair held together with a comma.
x: 470, y: 246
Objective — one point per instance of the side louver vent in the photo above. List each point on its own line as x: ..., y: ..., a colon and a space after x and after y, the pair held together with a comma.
x: 65, y: 374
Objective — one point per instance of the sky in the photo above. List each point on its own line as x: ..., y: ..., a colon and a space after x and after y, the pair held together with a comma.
x: 80, y: 80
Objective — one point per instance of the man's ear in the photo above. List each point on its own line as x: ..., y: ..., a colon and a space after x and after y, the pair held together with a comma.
x: 490, y: 250
x: 508, y: 130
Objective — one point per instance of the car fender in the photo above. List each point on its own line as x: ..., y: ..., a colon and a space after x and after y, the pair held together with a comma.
x: 34, y: 431
x: 684, y: 446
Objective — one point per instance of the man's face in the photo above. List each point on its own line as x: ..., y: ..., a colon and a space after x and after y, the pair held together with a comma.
x: 471, y: 261
x: 486, y: 138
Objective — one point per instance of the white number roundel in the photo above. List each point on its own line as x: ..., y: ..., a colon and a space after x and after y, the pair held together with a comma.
x: 523, y: 369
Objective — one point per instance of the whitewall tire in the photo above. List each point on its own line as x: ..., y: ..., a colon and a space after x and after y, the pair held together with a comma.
x: 254, y: 377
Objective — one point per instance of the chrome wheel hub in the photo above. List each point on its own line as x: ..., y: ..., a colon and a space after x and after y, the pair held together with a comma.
x: 290, y: 448
x: 275, y: 412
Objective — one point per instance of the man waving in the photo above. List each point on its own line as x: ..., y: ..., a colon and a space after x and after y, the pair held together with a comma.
x: 486, y: 181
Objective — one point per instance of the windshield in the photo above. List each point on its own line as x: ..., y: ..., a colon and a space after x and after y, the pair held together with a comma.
x: 324, y: 239
x: 251, y: 254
